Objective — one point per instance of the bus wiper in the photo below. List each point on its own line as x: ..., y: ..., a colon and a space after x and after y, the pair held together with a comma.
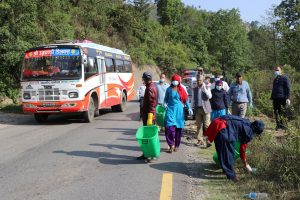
x: 55, y: 77
x: 38, y: 79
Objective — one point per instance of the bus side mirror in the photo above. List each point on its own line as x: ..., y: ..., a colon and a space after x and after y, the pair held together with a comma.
x: 84, y: 59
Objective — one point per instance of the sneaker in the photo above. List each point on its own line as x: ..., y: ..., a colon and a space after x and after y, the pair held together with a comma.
x: 151, y: 160
x: 235, y: 179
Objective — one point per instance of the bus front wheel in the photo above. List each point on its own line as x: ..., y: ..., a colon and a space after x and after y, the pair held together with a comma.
x: 88, y: 115
x: 41, y: 118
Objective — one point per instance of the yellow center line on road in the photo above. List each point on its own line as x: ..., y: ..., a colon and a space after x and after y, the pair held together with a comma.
x: 166, y: 186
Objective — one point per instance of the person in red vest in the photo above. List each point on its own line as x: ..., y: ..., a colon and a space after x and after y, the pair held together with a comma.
x: 225, y: 131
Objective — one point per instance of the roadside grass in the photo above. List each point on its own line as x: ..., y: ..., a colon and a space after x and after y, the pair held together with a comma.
x: 218, y: 186
x: 11, y: 108
x: 277, y: 163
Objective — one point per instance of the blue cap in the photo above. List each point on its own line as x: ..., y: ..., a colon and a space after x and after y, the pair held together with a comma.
x: 258, y: 126
x: 219, y: 82
x: 147, y: 75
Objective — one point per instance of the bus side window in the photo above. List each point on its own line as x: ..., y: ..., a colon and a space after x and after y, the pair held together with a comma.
x: 91, y: 67
x: 128, y: 66
x: 120, y: 66
x: 110, y: 67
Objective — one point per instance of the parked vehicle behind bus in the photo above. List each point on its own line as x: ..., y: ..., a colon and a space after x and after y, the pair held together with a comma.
x: 80, y: 77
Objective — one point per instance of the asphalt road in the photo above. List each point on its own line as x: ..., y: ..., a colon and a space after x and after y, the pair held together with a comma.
x: 69, y: 159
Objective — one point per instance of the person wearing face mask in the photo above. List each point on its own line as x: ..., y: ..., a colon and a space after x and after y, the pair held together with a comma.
x: 200, y: 101
x: 239, y: 95
x: 161, y: 89
x: 218, y: 101
x: 175, y: 99
x: 225, y: 84
x: 281, y: 96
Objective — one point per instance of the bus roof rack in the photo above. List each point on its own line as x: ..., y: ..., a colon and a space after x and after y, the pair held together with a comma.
x: 63, y: 41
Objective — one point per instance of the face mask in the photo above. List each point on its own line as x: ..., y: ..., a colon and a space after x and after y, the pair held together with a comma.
x: 162, y: 80
x: 219, y: 87
x: 276, y: 73
x: 206, y: 82
x: 175, y: 83
x: 217, y: 79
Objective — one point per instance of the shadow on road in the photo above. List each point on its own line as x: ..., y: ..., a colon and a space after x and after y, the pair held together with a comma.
x: 115, y: 146
x: 195, y: 170
x: 124, y: 131
x: 104, y: 157
x: 126, y: 139
x: 54, y: 119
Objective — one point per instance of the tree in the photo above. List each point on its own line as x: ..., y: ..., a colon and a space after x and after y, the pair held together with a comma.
x: 19, y: 30
x: 144, y: 7
x: 228, y: 44
x: 55, y: 20
x: 169, y: 11
x: 288, y: 25
x: 191, y: 30
x: 262, y: 46
x: 91, y: 18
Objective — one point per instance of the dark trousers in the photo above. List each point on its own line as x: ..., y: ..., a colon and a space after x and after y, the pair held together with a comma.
x: 225, y: 151
x: 278, y: 106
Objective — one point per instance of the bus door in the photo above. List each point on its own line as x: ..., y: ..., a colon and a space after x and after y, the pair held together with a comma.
x: 103, y: 85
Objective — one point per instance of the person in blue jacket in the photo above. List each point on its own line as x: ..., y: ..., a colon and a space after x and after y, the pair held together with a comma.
x: 175, y: 99
x: 225, y: 131
x: 281, y: 93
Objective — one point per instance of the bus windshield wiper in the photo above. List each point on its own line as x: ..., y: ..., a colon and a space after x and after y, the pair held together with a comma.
x: 38, y: 79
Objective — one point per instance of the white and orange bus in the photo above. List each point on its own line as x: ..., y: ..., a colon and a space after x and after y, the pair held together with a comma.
x: 80, y: 77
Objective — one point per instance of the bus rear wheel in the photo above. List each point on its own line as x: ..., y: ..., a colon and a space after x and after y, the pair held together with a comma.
x: 122, y: 106
x: 89, y: 115
x: 41, y: 118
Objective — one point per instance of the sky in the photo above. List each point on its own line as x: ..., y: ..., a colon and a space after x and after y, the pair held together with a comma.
x: 250, y: 10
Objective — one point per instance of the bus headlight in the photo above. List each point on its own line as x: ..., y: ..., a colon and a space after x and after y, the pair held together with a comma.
x: 66, y: 105
x: 73, y: 95
x: 26, y: 95
x: 29, y: 105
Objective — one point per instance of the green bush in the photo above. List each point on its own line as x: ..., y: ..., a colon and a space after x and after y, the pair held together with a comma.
x: 261, y: 87
x: 278, y: 161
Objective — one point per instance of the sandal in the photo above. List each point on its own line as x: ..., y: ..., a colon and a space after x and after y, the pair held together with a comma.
x: 199, y: 143
x: 171, y: 149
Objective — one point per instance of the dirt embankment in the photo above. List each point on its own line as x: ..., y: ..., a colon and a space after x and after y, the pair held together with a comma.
x: 139, y: 70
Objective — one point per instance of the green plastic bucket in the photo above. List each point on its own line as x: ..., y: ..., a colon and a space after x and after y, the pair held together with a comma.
x: 236, y: 153
x: 160, y: 115
x: 148, y: 139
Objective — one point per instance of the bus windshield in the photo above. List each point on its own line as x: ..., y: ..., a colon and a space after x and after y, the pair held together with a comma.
x: 52, y: 64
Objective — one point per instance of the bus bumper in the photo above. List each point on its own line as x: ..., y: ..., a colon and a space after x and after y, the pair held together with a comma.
x: 54, y: 107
